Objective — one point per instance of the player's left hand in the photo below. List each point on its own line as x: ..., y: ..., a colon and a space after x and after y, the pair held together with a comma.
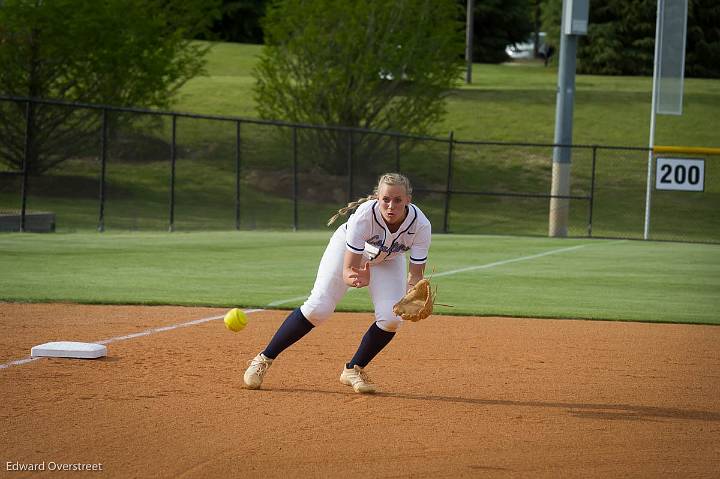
x: 360, y: 277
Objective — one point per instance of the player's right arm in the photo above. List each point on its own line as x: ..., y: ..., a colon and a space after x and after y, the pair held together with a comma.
x: 355, y: 274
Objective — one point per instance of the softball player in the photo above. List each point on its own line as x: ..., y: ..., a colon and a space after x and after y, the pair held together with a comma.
x: 367, y: 250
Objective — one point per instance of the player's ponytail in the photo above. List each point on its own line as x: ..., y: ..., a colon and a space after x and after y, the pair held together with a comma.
x: 389, y: 179
x: 350, y: 206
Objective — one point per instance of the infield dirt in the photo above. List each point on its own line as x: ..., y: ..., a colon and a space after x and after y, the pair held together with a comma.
x: 459, y: 397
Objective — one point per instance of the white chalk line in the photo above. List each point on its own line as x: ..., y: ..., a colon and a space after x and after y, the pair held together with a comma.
x: 18, y: 362
x: 508, y: 261
x: 462, y: 270
x: 283, y: 301
x: 148, y: 332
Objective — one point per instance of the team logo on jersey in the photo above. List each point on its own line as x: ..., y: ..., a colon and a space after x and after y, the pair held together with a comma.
x: 393, y: 248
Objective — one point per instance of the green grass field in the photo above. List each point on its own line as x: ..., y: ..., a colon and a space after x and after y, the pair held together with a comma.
x: 507, y: 102
x: 478, y: 275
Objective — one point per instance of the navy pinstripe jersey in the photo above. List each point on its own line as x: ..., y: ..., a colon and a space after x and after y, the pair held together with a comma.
x: 366, y: 232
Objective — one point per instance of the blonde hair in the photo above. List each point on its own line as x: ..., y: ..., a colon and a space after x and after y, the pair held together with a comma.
x: 392, y: 179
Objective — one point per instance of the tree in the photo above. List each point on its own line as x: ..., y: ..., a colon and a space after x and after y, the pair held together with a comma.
x: 499, y: 23
x: 703, y: 39
x: 239, y: 22
x: 621, y: 37
x: 620, y: 40
x: 372, y: 64
x: 118, y: 52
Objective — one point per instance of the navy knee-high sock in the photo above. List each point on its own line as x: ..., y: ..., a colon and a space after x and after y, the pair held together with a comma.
x: 372, y: 343
x: 292, y: 329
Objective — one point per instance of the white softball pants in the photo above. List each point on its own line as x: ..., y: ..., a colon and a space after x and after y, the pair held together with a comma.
x: 388, y: 281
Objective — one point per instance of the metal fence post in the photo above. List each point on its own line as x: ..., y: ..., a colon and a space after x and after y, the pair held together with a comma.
x: 103, y: 161
x: 237, y: 175
x: 592, y: 191
x: 449, y: 183
x: 26, y: 162
x: 173, y: 157
x: 397, y: 154
x: 350, y: 166
x: 295, y: 178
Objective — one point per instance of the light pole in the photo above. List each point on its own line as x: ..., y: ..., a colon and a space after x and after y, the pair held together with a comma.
x: 574, y: 23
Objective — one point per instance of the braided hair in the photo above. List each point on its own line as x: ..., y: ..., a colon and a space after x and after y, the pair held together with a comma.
x: 391, y: 179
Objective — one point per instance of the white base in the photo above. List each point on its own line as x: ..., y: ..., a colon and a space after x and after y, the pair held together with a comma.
x: 69, y: 349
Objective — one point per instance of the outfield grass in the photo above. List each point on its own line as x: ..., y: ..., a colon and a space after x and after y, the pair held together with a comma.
x: 509, y: 276
x: 507, y: 102
x: 226, y: 89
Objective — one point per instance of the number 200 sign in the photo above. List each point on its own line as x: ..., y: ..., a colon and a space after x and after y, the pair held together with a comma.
x: 680, y: 174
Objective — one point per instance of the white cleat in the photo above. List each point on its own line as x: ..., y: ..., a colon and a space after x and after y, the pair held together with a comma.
x: 256, y: 371
x: 358, y: 379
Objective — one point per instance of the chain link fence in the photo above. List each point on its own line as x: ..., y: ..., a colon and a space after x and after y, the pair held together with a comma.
x: 72, y: 167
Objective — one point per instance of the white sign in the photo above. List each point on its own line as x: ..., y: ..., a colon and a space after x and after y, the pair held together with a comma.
x: 672, y: 34
x: 680, y: 174
x: 575, y: 17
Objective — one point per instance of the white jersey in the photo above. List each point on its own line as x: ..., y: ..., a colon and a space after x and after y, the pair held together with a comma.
x: 367, y: 233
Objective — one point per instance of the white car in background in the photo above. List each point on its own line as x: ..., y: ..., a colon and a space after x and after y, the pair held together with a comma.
x: 526, y: 49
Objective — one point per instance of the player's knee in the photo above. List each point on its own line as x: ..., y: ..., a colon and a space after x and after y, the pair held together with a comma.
x: 387, y: 320
x: 316, y: 314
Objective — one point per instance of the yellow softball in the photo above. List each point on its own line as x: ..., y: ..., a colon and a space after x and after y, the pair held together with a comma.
x: 235, y: 320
